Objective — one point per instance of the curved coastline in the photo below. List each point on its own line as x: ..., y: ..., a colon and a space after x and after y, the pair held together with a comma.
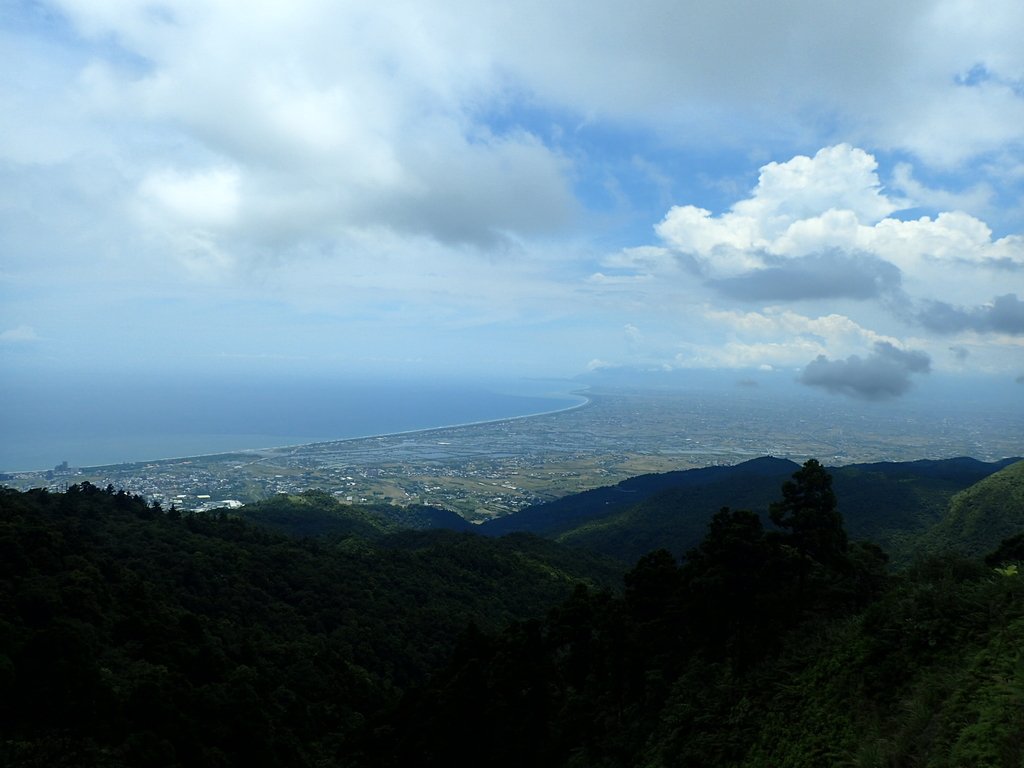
x: 585, y: 401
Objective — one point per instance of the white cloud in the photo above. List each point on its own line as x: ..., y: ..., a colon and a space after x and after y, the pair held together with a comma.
x: 840, y: 178
x: 412, y: 163
x: 781, y: 338
x: 797, y: 207
x: 330, y: 116
x: 976, y: 197
x: 19, y: 335
x: 204, y: 199
x: 835, y: 202
x: 789, y: 353
x: 727, y: 244
x: 838, y: 332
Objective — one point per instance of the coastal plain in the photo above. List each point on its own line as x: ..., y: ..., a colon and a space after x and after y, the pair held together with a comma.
x: 486, y: 470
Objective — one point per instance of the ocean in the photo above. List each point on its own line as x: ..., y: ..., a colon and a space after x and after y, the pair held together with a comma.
x: 92, y: 423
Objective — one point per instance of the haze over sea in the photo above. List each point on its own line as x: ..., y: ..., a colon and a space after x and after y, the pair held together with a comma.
x: 45, y: 423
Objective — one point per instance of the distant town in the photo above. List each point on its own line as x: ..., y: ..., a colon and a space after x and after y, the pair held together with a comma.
x: 487, y: 470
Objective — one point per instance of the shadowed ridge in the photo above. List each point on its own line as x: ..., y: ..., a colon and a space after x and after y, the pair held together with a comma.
x: 570, y: 511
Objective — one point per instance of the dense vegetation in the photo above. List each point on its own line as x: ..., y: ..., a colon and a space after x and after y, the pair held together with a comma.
x: 129, y: 636
x: 134, y: 636
x: 984, y: 514
x: 893, y: 504
x: 318, y: 513
x: 786, y: 647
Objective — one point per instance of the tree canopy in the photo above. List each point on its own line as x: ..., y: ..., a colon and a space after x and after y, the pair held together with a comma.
x: 808, y: 511
x: 133, y: 637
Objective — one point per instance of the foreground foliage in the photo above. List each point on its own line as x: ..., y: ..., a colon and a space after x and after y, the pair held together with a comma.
x: 130, y: 636
x: 763, y: 648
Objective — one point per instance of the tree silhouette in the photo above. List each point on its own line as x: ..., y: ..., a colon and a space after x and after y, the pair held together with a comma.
x: 808, y: 511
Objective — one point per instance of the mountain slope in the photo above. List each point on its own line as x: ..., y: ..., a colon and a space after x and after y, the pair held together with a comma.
x: 133, y: 637
x: 565, y: 514
x: 981, y: 516
x: 318, y: 513
x: 674, y: 519
x: 895, y: 503
x: 745, y: 655
x: 890, y: 503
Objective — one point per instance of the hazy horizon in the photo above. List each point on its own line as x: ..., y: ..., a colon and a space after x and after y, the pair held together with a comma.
x: 93, y: 423
x: 111, y: 417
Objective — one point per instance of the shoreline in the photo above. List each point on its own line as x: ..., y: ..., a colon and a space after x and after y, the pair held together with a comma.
x: 585, y: 401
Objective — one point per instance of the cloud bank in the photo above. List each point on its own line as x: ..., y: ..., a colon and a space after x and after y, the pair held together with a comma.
x: 1005, y: 314
x: 820, y: 234
x: 831, y: 274
x: 476, y: 184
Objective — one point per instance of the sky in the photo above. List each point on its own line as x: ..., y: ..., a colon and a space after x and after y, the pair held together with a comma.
x: 827, y: 192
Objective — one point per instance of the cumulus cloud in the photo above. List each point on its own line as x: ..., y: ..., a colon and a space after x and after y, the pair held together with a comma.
x: 294, y: 121
x: 812, y: 216
x: 829, y: 275
x: 773, y: 338
x: 404, y: 161
x: 798, y: 207
x: 838, y: 331
x: 883, y: 374
x: 822, y: 230
x: 1005, y: 314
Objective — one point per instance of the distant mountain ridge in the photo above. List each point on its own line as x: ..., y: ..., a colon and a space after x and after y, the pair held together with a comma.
x: 906, y: 507
x: 561, y: 514
x: 892, y: 503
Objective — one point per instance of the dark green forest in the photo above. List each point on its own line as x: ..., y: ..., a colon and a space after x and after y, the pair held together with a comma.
x: 894, y: 504
x: 304, y: 633
x: 134, y: 636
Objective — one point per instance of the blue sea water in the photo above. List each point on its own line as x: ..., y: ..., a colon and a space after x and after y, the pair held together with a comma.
x: 91, y: 423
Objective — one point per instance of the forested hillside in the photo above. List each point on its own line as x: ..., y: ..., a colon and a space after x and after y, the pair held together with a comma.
x: 134, y: 636
x: 763, y: 648
x: 556, y: 517
x: 129, y: 636
x: 318, y: 513
x: 981, y: 516
x: 892, y: 504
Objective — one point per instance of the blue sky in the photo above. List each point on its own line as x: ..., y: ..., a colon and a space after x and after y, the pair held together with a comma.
x: 829, y: 193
